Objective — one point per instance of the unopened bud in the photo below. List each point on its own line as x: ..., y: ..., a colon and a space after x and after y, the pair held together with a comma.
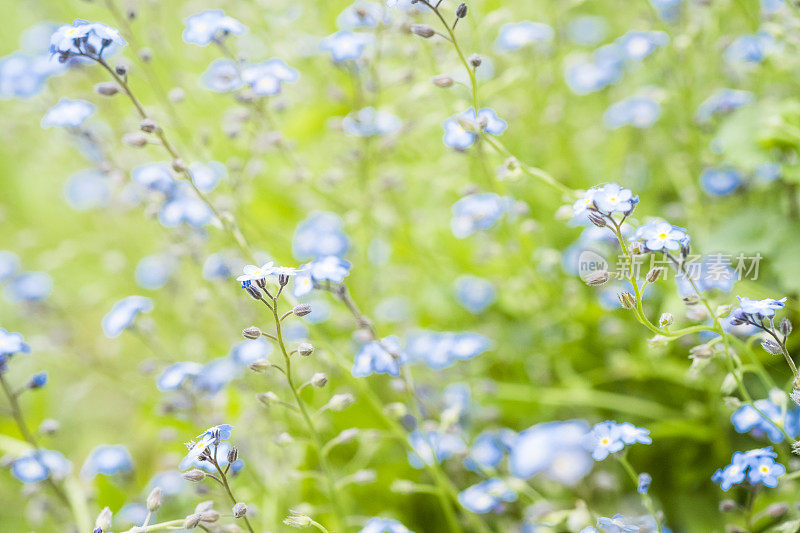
x: 795, y: 395
x: 728, y: 384
x: 654, y: 274
x: 475, y: 60
x: 239, y: 510
x: 178, y: 165
x: 121, y: 70
x: 191, y: 521
x: 297, y: 519
x: 305, y: 349
x: 727, y: 506
x: 364, y: 476
x: 176, y: 95
x: 154, y: 500
x: 134, y: 139
x: 626, y: 299
x: 596, y: 278
x: 597, y: 219
x: 253, y: 291
x: 259, y: 365
x: 443, y: 80
x: 148, y: 125
x: 196, y: 475
x: 666, y: 319
x: 233, y: 454
x: 251, y: 333
x: 778, y: 510
x: 771, y: 346
x: 210, y: 516
x: 461, y: 10
x: 267, y: 398
x: 49, y: 426
x: 402, y: 486
x: 103, y: 522
x: 340, y: 402
x: 786, y: 327
x: 301, y: 309
x: 637, y: 248
x: 106, y: 88
x: 319, y: 380
x: 145, y: 54
x: 423, y: 30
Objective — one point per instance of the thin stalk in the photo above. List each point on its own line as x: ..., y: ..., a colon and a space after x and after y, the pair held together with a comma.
x: 646, y: 499
x: 224, y: 482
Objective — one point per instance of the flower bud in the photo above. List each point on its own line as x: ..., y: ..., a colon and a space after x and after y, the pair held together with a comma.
x: 305, y: 349
x: 795, y: 395
x: 49, y: 426
x: 106, y: 88
x: 233, y: 454
x: 103, y: 522
x: 786, y: 327
x: 596, y: 278
x: 253, y: 291
x: 134, y: 139
x: 301, y: 309
x: 154, y: 500
x: 727, y: 506
x: 364, y: 476
x: 597, y: 219
x: 267, y: 398
x: 319, y: 380
x: 475, y: 60
x: 209, y: 516
x: 654, y: 274
x: 191, y: 521
x: 297, y: 519
x: 443, y: 80
x: 423, y: 30
x: 196, y: 475
x: 340, y: 402
x: 666, y: 319
x: 176, y: 95
x: 259, y: 365
x: 778, y: 510
x: 178, y: 165
x: 148, y: 126
x: 626, y: 299
x: 771, y: 346
x: 461, y: 10
x: 251, y: 333
x: 239, y: 510
x: 402, y: 486
x: 701, y: 351
x: 146, y: 55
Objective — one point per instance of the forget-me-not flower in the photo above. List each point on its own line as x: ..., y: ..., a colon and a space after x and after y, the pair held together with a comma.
x: 474, y: 293
x: 206, y: 176
x: 553, y: 449
x: 462, y: 130
x: 722, y: 101
x: 320, y: 235
x: 108, y: 460
x: 637, y: 111
x: 266, y: 78
x: 433, y: 446
x: 486, y: 496
x: 369, y: 122
x: 518, y: 34
x: 123, y: 313
x: 637, y: 45
x: 478, y: 212
x: 213, y: 436
x: 38, y: 465
x: 87, y: 189
x: 384, y: 525
x: 29, y: 287
x: 221, y: 76
x: 94, y: 40
x: 177, y: 374
x: 384, y: 357
x: 345, y: 45
x: 68, y: 113
x: 659, y: 235
x: 719, y: 181
x: 210, y: 25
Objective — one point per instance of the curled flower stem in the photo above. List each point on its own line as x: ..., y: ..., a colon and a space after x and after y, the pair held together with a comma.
x: 16, y: 413
x: 315, y: 436
x: 646, y: 499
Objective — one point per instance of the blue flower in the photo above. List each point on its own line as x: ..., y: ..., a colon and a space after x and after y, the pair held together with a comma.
x: 38, y: 465
x: 184, y: 207
x: 9, y: 264
x: 762, y: 460
x: 206, y: 176
x: 433, y: 446
x: 217, y: 266
x: 487, y: 496
x: 554, y: 449
x: 618, y: 524
x: 644, y: 483
x: 108, y: 460
x: 123, y: 313
x: 38, y: 380
x: 637, y: 45
x: 176, y: 375
x: 659, y: 235
x: 719, y: 181
x: 265, y: 78
x: 369, y: 122
x: 747, y: 419
x: 637, y: 111
x: 68, y: 113
x: 361, y: 15
x: 29, y: 287
x: 767, y: 172
x: 384, y: 525
x: 87, y: 189
x: 250, y: 351
x: 770, y: 7
x: 153, y: 272
x: 489, y: 448
x: 217, y: 374
x: 587, y: 30
x: 478, y: 212
x: 319, y: 235
x: 714, y: 272
x: 384, y: 357
x: 593, y: 74
x: 329, y: 268
x: 345, y: 45
x: 221, y: 76
x: 85, y: 39
x: 441, y: 350
x: 461, y: 131
x: 210, y: 25
x: 668, y: 10
x: 154, y: 177
x: 764, y: 308
x: 722, y: 101
x: 170, y: 481
x: 609, y: 437
x: 474, y: 293
x: 749, y: 49
x: 610, y: 198
x: 12, y: 343
x: 513, y: 36
x: 213, y: 436
x: 23, y: 76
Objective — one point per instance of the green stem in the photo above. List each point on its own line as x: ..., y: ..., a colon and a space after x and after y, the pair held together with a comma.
x: 172, y: 524
x: 646, y: 499
x: 224, y: 480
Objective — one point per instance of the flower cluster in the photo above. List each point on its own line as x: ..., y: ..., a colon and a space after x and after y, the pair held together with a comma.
x: 758, y: 466
x: 609, y: 437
